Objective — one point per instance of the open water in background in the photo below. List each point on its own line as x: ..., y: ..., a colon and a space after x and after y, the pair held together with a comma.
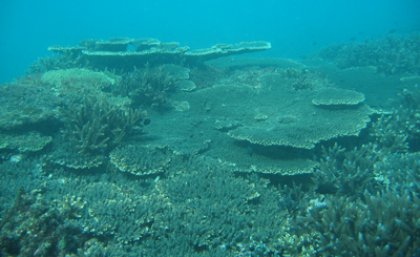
x: 211, y: 169
x: 295, y: 28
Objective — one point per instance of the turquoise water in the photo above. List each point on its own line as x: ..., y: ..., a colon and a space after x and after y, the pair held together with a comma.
x: 296, y: 28
x: 200, y: 128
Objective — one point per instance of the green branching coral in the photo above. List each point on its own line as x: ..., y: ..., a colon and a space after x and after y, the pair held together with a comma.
x: 34, y: 226
x: 221, y: 212
x: 385, y: 224
x: 389, y: 135
x: 149, y: 86
x: 399, y: 130
x: 409, y: 115
x: 97, y: 126
x: 399, y: 172
x: 346, y: 172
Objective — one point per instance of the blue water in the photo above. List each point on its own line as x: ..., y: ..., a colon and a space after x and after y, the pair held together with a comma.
x: 295, y: 28
x: 137, y: 152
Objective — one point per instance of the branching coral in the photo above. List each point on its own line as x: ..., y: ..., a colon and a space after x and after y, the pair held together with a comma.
x: 385, y: 224
x: 399, y: 130
x: 391, y: 55
x: 97, y: 126
x: 361, y: 168
x: 409, y: 116
x: 149, y: 86
x: 37, y: 227
x: 346, y: 172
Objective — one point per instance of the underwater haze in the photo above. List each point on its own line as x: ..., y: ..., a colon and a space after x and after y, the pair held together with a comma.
x: 295, y: 28
x: 210, y: 128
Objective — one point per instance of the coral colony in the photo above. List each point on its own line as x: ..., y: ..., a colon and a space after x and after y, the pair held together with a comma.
x: 131, y: 147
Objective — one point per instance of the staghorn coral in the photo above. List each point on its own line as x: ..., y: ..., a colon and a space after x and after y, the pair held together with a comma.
x: 97, y: 126
x: 151, y: 86
x: 384, y: 224
x: 399, y: 129
x: 399, y: 172
x: 391, y: 136
x: 35, y: 227
x: 389, y: 132
x: 408, y: 116
x: 347, y: 172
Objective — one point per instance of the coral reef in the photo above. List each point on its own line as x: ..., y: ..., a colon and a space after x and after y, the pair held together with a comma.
x: 374, y: 225
x: 27, y: 106
x: 98, y: 126
x: 66, y: 155
x: 140, y: 160
x: 390, y: 55
x: 243, y: 157
x: 129, y: 53
x: 263, y: 124
x: 152, y: 86
x: 366, y: 197
x: 339, y: 98
x: 28, y: 142
x: 31, y: 227
x: 408, y: 116
x: 222, y: 50
x: 302, y: 78
x: 59, y: 79
x: 347, y: 172
x: 305, y: 124
x: 213, y: 201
